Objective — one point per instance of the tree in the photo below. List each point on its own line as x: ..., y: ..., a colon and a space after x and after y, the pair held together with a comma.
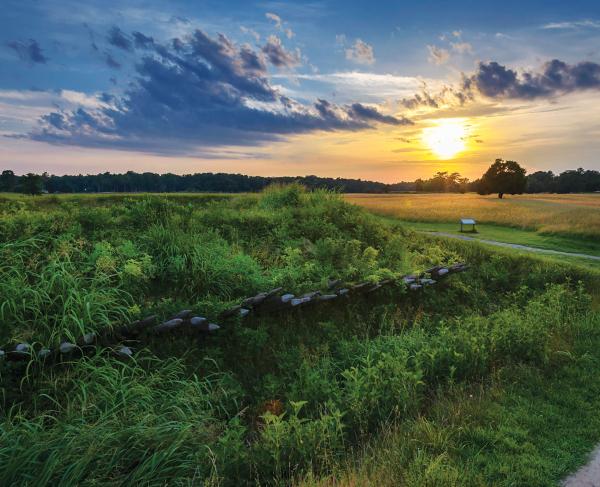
x: 503, y: 177
x: 541, y: 182
x: 32, y: 184
x: 8, y: 180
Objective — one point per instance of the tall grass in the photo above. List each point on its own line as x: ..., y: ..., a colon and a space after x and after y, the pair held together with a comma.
x: 568, y: 215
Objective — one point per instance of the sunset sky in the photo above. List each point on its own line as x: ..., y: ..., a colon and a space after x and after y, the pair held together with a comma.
x: 387, y: 91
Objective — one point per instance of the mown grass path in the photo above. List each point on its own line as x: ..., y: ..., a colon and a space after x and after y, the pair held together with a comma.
x: 516, y: 246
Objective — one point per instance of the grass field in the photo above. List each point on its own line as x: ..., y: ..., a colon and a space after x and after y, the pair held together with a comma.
x: 573, y: 216
x: 488, y: 378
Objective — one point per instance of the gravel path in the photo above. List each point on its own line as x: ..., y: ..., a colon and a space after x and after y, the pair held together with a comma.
x: 515, y: 246
x: 588, y: 475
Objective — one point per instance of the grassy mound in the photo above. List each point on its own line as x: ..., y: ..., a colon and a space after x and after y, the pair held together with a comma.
x: 271, y: 400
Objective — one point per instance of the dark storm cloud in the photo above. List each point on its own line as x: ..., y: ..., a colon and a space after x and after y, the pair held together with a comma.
x: 119, y: 39
x: 556, y: 77
x: 199, y: 92
x: 277, y: 55
x: 28, y: 51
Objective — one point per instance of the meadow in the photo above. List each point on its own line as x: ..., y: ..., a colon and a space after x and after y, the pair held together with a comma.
x: 573, y: 216
x: 450, y: 385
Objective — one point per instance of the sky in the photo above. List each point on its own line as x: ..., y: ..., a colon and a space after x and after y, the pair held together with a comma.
x: 385, y: 91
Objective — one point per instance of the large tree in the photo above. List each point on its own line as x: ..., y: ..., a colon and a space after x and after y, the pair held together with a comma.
x: 503, y: 177
x: 8, y: 180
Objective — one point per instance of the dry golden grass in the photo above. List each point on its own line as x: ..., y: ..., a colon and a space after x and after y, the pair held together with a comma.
x: 564, y: 214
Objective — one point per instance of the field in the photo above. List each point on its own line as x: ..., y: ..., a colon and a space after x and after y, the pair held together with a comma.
x: 572, y: 216
x: 488, y: 377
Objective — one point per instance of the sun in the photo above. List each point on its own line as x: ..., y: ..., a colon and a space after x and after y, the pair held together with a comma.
x: 446, y: 138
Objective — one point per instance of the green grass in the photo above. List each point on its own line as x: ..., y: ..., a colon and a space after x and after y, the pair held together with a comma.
x: 526, y: 426
x: 276, y: 399
x: 512, y: 235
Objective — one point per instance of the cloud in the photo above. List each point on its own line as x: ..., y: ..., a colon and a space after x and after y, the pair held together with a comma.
x: 578, y: 24
x: 119, y: 39
x: 360, y: 52
x: 110, y: 61
x: 556, y: 77
x: 446, y: 96
x: 275, y: 18
x: 289, y: 33
x: 196, y: 94
x: 251, y: 32
x: 438, y: 55
x: 350, y: 86
x: 142, y: 41
x: 28, y: 51
x: 363, y: 112
x: 494, y: 81
x: 278, y: 56
x: 462, y: 47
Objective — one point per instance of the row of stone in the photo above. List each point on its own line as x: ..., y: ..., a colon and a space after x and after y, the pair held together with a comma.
x: 270, y: 300
x: 147, y: 326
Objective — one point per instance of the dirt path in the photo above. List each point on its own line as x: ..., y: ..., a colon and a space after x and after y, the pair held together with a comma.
x: 515, y: 246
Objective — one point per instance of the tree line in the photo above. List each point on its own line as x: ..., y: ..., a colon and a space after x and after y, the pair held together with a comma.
x: 511, y: 177
x: 168, y: 183
x: 502, y: 177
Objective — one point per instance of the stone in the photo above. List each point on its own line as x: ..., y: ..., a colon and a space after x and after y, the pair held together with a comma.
x: 198, y: 320
x: 254, y: 300
x: 311, y: 294
x: 273, y: 292
x: 168, y: 325
x: 66, y: 347
x: 333, y: 283
x: 125, y: 352
x: 22, y: 348
x: 44, y: 352
x: 343, y: 291
x: 327, y: 297
x: 183, y: 314
x: 414, y: 287
x: 244, y: 312
x: 88, y: 338
x: 207, y: 327
x: 286, y: 298
x: 299, y: 301
x: 230, y: 311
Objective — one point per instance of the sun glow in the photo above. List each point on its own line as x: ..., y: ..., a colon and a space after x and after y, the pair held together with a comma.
x: 446, y: 138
